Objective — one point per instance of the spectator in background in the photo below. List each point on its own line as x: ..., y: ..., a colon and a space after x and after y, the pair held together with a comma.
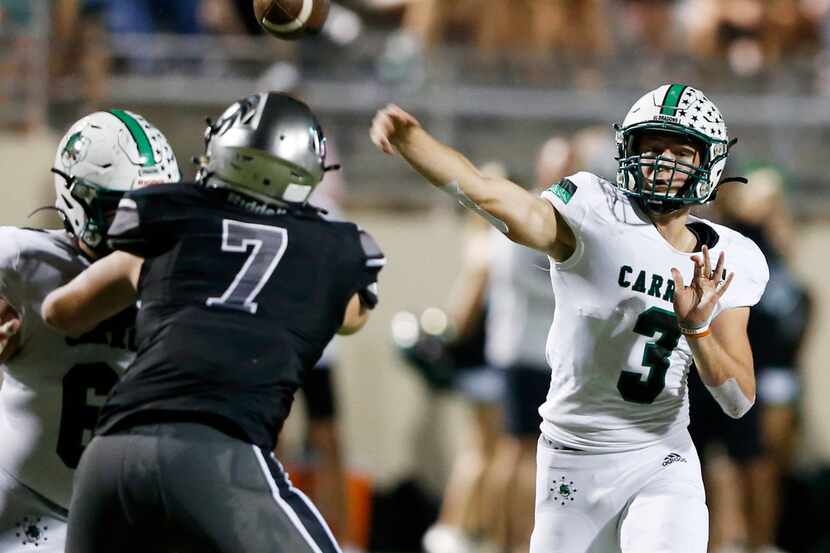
x: 499, y: 472
x: 744, y: 504
x: 80, y: 49
x: 750, y: 35
x: 781, y: 321
x: 648, y: 26
x: 468, y: 513
x: 22, y: 98
x: 563, y: 27
x: 520, y: 315
x: 528, y: 28
x: 434, y: 22
x: 128, y: 17
x: 148, y: 16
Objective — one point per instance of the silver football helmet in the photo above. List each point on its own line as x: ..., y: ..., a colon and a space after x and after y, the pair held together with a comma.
x: 269, y: 146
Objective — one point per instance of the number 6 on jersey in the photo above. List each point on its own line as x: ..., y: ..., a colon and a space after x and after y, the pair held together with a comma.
x: 267, y: 246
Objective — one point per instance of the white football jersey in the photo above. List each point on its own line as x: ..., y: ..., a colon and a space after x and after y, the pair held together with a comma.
x: 619, y: 363
x: 53, y: 387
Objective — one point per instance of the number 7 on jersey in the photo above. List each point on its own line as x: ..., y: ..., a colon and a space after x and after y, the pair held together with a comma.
x: 267, y: 245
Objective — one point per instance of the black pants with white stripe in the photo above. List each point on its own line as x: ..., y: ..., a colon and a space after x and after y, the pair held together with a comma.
x: 187, y: 487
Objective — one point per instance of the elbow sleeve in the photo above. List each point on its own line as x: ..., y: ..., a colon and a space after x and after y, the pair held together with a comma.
x: 731, y: 398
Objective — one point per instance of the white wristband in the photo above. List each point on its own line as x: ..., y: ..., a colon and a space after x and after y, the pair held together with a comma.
x: 694, y: 330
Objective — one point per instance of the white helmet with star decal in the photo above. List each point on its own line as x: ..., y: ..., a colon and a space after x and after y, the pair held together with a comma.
x: 686, y: 111
x: 99, y: 159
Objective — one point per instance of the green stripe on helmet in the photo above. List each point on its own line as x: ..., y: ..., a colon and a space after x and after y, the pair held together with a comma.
x: 673, y: 95
x: 145, y: 150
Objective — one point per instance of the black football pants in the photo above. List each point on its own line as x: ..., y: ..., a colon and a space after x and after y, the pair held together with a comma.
x: 188, y: 487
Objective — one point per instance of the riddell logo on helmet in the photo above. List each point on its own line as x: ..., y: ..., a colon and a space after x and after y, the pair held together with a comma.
x: 150, y: 175
x: 669, y: 118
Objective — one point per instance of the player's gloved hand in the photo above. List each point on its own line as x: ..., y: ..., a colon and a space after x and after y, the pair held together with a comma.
x: 9, y: 328
x: 389, y: 126
x: 695, y: 304
x: 424, y: 349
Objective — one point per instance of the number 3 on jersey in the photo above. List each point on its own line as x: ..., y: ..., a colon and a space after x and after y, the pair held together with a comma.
x: 632, y: 386
x: 267, y: 245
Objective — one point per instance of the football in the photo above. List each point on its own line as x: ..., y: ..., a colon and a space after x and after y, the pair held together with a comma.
x: 291, y: 19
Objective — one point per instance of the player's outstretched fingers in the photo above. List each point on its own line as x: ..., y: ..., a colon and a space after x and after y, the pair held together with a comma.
x: 707, y: 264
x: 724, y: 285
x: 698, y: 268
x: 677, y: 278
x: 718, y: 276
x: 403, y: 117
x: 382, y: 129
x: 388, y: 122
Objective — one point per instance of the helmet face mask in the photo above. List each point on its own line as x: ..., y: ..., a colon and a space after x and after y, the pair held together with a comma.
x: 102, y: 157
x: 659, y: 178
x: 99, y: 205
x: 685, y: 115
x: 268, y: 146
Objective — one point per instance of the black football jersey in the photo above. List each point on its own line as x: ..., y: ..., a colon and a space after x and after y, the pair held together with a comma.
x: 236, y: 299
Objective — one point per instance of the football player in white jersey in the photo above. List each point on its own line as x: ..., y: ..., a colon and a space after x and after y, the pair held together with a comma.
x: 53, y: 385
x: 643, y: 288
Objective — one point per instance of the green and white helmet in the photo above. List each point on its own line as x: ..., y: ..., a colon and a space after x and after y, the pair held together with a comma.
x: 99, y: 159
x: 682, y: 110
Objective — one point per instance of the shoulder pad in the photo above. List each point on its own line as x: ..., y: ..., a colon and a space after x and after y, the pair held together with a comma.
x: 749, y: 264
x: 371, y: 249
x: 127, y: 220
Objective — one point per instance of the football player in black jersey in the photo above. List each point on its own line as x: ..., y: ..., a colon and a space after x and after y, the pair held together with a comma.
x: 241, y: 285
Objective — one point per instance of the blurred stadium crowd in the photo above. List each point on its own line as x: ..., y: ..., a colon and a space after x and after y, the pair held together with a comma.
x: 497, y: 78
x: 517, y: 62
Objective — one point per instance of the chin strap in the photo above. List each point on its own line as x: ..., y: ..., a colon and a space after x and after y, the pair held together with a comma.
x: 727, y: 180
x: 66, y: 176
x: 64, y: 219
x: 741, y: 180
x: 46, y: 208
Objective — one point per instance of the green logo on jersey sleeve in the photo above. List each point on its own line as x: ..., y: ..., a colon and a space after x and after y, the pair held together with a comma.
x: 564, y: 190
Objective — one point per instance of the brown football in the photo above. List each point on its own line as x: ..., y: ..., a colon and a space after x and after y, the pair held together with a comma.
x: 291, y: 19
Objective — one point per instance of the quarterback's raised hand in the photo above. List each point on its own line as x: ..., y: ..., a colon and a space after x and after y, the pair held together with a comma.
x: 524, y: 217
x: 695, y: 303
x: 388, y: 126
